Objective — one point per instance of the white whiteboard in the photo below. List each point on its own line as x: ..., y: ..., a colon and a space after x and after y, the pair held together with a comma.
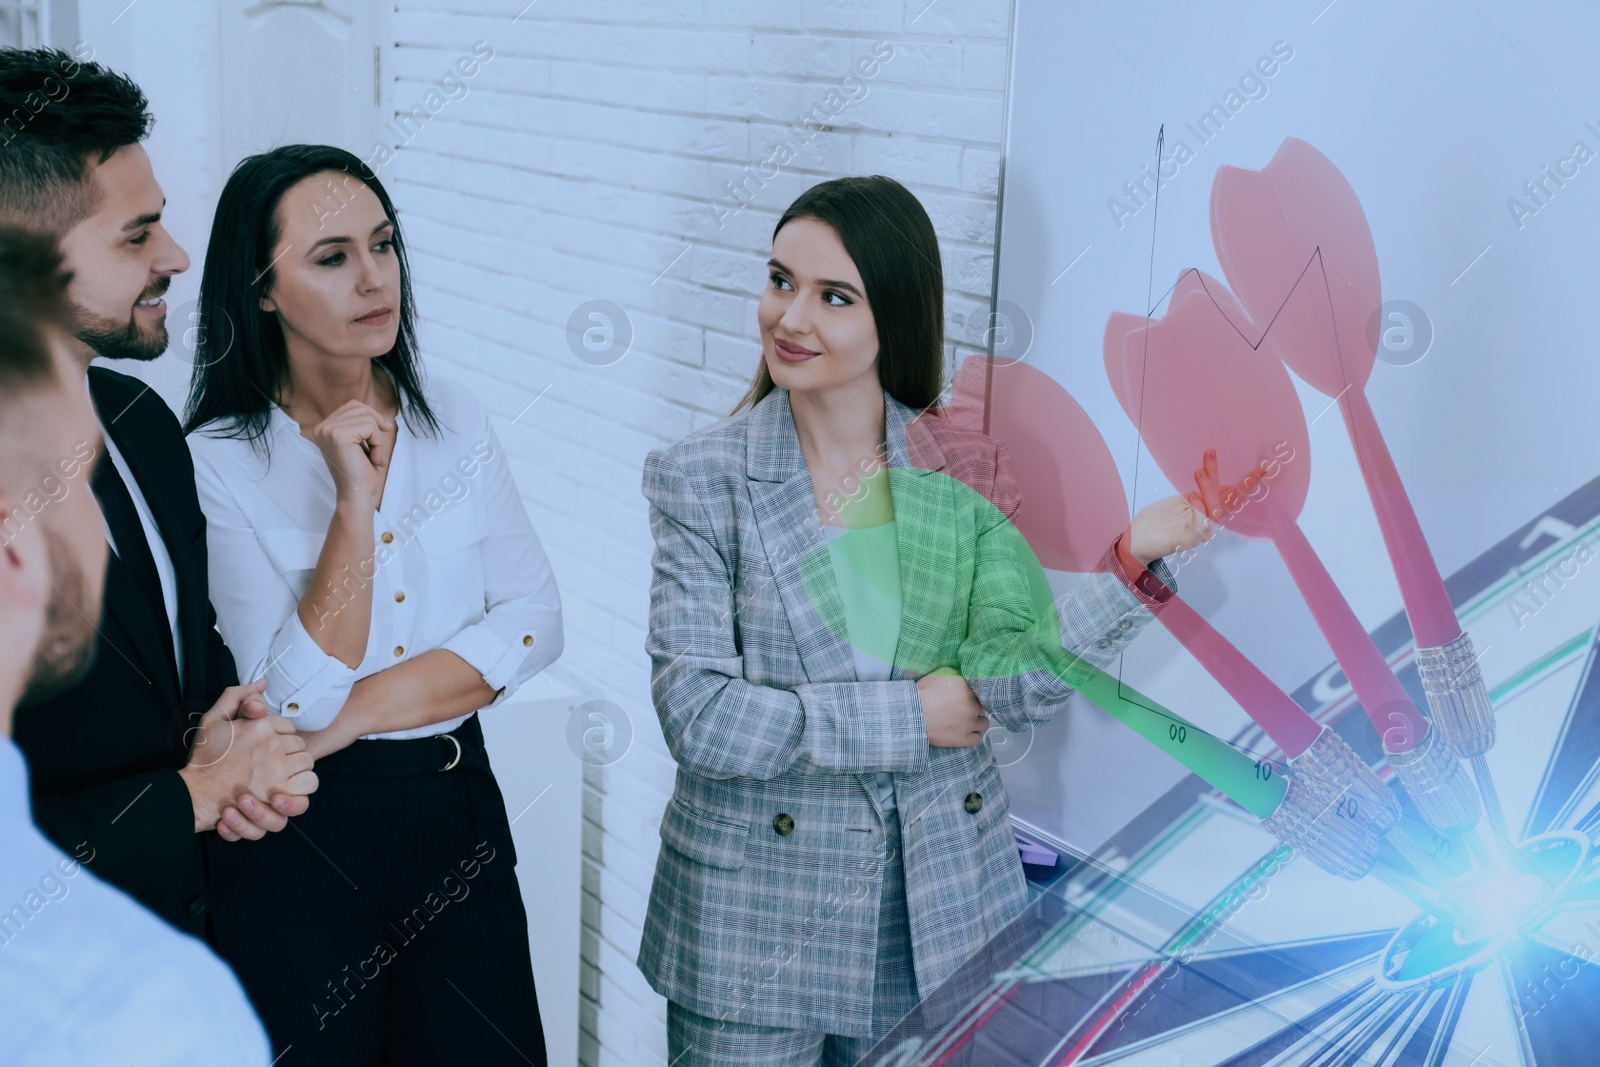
x: 1437, y: 114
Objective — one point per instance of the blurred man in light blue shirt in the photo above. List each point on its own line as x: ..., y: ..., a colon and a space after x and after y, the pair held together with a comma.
x: 87, y: 976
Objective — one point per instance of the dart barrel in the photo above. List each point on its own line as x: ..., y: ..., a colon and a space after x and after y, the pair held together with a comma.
x: 1432, y: 775
x: 1313, y: 820
x: 1457, y: 696
x: 1362, y: 796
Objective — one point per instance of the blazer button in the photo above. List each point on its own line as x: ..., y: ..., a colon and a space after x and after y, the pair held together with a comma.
x: 197, y: 907
x: 973, y: 802
x: 783, y: 822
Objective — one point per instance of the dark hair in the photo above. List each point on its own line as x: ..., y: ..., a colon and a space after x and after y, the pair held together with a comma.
x: 240, y: 361
x: 33, y: 295
x: 890, y: 238
x: 55, y: 115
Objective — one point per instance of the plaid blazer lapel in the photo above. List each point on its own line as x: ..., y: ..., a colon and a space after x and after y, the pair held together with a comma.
x: 924, y: 507
x: 784, y: 503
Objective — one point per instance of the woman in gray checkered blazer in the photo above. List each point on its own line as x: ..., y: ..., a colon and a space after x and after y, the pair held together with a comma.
x: 837, y: 843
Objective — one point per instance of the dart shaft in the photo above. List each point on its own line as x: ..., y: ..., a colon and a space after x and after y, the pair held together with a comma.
x: 1287, y: 723
x: 1432, y: 616
x: 1396, y: 718
x: 1239, y: 777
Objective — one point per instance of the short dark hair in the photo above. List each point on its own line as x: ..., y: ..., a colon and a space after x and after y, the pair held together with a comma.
x: 241, y: 360
x: 892, y: 242
x: 33, y: 298
x: 57, y: 114
x: 33, y: 295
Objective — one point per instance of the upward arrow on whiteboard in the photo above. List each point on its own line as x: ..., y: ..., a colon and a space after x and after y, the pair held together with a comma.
x: 1548, y: 524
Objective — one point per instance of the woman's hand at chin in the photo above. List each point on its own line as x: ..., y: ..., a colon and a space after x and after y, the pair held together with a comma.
x: 356, y: 442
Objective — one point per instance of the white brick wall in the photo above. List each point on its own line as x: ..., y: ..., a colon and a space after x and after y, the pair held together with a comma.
x: 584, y: 163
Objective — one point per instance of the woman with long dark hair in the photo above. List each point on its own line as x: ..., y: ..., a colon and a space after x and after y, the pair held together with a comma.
x: 836, y: 616
x: 371, y: 558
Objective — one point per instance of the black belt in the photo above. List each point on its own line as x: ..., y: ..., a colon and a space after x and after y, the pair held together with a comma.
x: 460, y: 748
x: 449, y: 753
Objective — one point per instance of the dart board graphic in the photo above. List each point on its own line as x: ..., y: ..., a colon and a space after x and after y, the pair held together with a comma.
x: 1210, y: 943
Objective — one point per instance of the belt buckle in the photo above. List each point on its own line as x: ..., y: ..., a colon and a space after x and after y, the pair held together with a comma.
x: 453, y: 759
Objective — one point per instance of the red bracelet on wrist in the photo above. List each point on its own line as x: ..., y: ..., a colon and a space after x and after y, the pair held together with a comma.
x: 1129, y: 562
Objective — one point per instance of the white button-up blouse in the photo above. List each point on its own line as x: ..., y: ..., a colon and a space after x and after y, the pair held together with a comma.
x: 457, y: 564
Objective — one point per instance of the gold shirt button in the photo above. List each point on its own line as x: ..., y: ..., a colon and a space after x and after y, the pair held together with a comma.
x: 399, y: 596
x: 399, y: 650
x: 291, y: 707
x: 527, y: 640
x: 387, y: 537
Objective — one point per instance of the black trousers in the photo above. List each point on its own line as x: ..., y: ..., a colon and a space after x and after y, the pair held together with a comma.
x: 384, y: 926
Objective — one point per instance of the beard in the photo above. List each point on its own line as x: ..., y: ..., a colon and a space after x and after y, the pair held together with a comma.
x: 125, y: 340
x: 67, y: 647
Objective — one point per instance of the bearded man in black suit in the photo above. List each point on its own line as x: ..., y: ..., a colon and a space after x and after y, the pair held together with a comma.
x: 145, y: 760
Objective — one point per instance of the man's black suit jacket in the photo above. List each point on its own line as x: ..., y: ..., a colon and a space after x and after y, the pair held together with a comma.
x: 104, y: 755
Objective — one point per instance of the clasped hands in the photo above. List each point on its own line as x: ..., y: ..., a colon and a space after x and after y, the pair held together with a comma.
x: 249, y: 771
